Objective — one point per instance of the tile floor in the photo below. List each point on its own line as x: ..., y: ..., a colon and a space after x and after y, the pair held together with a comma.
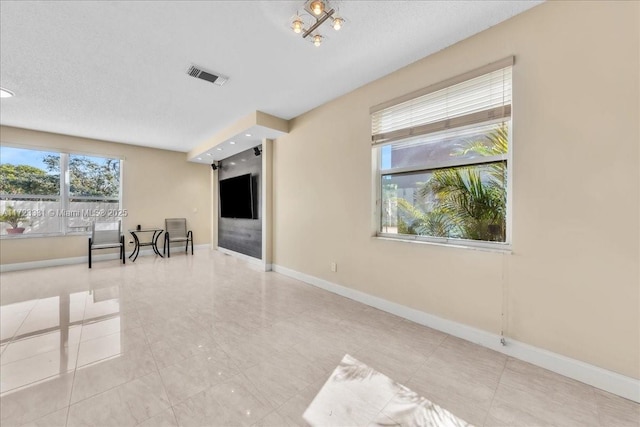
x: 209, y: 340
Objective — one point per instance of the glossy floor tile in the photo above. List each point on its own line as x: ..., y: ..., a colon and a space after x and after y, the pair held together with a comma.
x: 208, y: 340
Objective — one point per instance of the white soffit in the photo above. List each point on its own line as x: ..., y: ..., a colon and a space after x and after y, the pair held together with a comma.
x: 116, y: 70
x: 246, y: 133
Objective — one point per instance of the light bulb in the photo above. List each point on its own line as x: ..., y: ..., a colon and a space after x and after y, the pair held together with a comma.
x: 337, y: 23
x: 317, y: 7
x: 317, y: 40
x: 297, y: 25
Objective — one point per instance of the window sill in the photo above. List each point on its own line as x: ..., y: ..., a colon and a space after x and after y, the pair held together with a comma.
x: 40, y: 236
x: 502, y: 248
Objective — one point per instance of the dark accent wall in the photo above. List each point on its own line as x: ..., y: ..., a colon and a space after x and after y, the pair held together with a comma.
x: 242, y: 235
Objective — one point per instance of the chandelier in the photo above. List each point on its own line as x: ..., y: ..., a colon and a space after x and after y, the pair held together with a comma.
x: 317, y: 13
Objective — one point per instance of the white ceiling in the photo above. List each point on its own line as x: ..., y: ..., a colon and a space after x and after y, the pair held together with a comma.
x: 117, y: 70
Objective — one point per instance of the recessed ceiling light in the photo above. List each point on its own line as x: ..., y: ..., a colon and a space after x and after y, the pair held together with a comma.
x: 5, y: 93
x: 209, y: 154
x: 232, y: 142
x: 233, y: 163
x: 243, y: 160
x: 199, y: 158
x: 247, y: 134
x: 219, y: 149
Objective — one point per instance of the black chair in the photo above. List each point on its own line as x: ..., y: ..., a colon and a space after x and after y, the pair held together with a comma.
x: 107, y: 236
x: 176, y: 231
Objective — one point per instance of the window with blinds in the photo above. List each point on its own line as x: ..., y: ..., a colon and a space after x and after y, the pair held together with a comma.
x: 443, y: 160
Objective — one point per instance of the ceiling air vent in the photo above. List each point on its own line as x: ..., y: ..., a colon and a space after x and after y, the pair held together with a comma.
x: 199, y: 73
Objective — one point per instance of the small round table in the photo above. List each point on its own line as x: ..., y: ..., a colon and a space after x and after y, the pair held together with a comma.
x: 153, y: 243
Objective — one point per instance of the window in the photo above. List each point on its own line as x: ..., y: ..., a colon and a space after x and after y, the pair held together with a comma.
x: 46, y: 193
x: 443, y: 160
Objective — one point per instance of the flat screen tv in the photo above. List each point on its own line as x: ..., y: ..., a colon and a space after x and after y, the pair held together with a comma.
x: 236, y: 197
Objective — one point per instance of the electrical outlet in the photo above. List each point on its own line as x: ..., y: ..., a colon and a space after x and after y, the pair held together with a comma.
x: 334, y: 267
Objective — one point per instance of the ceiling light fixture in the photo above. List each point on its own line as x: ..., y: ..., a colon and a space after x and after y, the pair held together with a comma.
x: 317, y: 12
x: 297, y: 25
x: 337, y: 23
x: 219, y: 149
x: 5, y: 93
x: 247, y: 134
x: 317, y: 7
x: 232, y: 142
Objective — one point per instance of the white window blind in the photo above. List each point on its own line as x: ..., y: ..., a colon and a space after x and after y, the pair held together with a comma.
x: 479, y: 99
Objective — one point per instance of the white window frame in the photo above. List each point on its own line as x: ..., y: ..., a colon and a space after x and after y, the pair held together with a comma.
x: 377, y: 171
x: 64, y: 197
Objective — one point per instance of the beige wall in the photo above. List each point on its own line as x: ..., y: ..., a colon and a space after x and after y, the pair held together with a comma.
x: 571, y: 284
x: 157, y: 184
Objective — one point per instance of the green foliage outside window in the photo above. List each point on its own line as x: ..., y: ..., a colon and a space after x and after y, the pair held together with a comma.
x: 25, y: 179
x: 466, y: 202
x: 87, y: 177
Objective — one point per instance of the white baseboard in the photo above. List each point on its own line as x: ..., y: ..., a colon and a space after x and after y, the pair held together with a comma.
x: 604, y: 379
x: 76, y: 260
x: 251, y: 260
x: 55, y: 262
x: 177, y: 248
